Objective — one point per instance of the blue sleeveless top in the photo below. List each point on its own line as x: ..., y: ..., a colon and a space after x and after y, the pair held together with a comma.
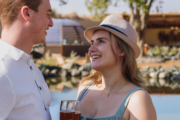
x: 119, y: 113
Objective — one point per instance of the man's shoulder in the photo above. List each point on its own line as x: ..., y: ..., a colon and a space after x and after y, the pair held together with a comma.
x: 2, y: 55
x: 2, y: 69
x: 4, y: 49
x: 3, y: 75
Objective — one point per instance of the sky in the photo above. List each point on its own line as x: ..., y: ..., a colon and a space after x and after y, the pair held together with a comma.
x: 79, y: 7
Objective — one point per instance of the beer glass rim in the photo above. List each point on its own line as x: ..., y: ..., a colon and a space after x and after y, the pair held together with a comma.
x: 71, y: 100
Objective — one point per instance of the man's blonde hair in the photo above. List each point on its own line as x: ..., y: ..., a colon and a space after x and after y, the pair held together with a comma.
x: 9, y: 9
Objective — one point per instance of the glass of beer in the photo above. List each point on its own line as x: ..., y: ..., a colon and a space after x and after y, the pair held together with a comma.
x: 67, y: 110
x: 77, y: 111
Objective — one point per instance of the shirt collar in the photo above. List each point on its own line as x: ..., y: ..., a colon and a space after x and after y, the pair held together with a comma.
x: 13, y: 52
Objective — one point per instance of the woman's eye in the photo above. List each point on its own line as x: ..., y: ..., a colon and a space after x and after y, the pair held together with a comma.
x: 101, y: 41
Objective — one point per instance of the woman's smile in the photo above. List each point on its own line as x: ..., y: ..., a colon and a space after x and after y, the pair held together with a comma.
x: 95, y: 57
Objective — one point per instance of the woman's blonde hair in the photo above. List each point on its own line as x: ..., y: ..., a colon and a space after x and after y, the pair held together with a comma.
x: 130, y: 69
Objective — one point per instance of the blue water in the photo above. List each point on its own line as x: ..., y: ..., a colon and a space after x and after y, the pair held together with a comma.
x: 167, y: 106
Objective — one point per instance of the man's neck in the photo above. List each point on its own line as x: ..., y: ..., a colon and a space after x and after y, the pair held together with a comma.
x: 17, y: 38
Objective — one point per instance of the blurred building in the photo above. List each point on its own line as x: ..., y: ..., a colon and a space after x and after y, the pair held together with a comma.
x: 162, y: 29
x: 66, y: 35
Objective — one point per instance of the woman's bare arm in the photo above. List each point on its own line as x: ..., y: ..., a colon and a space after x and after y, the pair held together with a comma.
x: 141, y: 107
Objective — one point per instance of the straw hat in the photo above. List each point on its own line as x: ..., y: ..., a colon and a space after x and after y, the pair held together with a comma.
x: 119, y: 27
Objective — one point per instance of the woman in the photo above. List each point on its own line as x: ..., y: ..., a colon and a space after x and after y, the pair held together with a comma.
x: 115, y: 90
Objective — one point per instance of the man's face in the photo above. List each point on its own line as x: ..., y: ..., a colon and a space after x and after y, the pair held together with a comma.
x: 40, y: 22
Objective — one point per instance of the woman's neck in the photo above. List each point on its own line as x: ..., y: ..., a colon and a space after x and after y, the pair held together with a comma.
x: 112, y: 80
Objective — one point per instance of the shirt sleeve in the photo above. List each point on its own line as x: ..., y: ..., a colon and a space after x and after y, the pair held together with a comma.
x: 7, y: 96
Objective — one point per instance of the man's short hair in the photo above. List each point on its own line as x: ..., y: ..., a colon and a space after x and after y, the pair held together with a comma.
x: 9, y: 9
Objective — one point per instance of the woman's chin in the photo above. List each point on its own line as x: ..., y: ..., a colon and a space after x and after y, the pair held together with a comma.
x: 94, y: 67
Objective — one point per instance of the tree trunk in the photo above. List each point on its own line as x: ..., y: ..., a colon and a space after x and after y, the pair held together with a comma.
x: 144, y: 22
x: 139, y: 22
x: 136, y: 23
x: 140, y: 26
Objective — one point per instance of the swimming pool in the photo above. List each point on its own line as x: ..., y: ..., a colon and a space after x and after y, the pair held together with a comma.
x: 167, y: 106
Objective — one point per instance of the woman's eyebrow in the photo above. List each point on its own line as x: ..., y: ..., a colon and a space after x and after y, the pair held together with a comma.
x: 99, y: 39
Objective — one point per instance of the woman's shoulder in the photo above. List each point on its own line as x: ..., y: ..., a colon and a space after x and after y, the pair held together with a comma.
x: 84, y: 86
x: 142, y: 100
x: 140, y: 95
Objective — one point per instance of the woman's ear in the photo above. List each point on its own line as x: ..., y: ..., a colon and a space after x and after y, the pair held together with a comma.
x: 121, y: 53
x: 25, y: 13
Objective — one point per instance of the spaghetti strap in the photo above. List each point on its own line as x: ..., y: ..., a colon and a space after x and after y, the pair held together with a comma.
x: 122, y: 108
x: 84, y: 92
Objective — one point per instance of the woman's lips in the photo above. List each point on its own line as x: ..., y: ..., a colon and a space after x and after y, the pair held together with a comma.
x: 95, y: 58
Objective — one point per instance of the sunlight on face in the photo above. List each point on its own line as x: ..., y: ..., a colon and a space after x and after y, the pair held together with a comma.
x: 101, y: 54
x: 41, y: 22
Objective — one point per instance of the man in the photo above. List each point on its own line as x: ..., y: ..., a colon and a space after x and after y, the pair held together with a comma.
x: 24, y: 95
x: 0, y: 29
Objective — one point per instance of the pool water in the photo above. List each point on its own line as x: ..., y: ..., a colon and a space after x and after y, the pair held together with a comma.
x: 167, y: 106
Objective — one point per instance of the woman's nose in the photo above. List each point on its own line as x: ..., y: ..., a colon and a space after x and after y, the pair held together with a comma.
x: 92, y: 48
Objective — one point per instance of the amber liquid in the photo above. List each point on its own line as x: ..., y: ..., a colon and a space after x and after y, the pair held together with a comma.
x: 67, y: 115
x: 77, y: 116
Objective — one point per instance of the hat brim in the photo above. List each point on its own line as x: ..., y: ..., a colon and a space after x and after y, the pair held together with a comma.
x: 88, y: 33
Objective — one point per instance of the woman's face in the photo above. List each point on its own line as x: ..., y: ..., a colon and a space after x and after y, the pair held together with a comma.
x: 100, y: 52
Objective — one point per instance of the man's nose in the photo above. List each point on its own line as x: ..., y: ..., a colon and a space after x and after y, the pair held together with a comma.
x: 50, y: 22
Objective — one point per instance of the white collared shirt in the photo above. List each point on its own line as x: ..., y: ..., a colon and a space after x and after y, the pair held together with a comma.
x: 24, y: 94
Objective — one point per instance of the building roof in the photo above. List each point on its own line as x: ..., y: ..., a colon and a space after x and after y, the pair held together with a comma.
x: 65, y: 29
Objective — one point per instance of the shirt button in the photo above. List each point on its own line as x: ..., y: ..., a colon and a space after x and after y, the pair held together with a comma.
x: 40, y: 88
x: 31, y: 67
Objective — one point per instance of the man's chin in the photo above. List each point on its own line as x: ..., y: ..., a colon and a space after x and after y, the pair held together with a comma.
x: 40, y: 41
x: 43, y: 40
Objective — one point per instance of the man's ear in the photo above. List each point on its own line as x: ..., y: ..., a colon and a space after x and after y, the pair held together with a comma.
x: 25, y: 13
